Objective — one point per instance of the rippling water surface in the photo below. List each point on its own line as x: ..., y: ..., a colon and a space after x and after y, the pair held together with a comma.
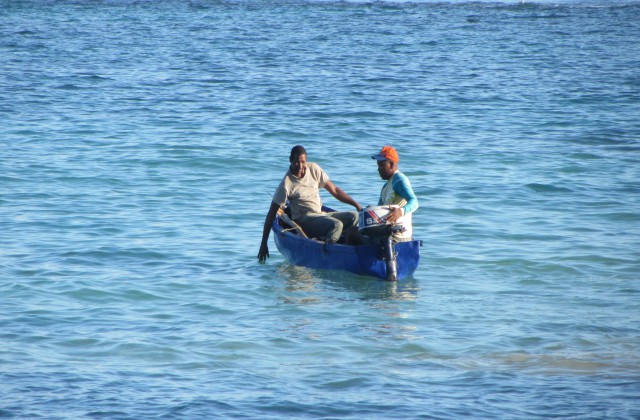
x: 140, y: 143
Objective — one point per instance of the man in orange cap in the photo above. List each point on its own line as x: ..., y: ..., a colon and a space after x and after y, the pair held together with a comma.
x: 300, y: 187
x: 396, y: 191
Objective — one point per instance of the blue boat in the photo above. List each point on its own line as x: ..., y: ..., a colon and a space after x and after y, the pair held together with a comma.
x: 365, y: 260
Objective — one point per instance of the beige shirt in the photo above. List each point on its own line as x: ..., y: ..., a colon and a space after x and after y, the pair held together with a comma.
x: 303, y: 194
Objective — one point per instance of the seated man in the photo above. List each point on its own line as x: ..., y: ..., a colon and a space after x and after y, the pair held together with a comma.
x: 300, y: 186
x: 396, y: 192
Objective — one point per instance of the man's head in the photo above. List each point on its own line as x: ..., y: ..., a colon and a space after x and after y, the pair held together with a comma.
x: 387, y: 161
x: 298, y: 161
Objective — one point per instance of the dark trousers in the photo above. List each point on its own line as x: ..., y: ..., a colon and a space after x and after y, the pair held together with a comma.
x: 327, y: 226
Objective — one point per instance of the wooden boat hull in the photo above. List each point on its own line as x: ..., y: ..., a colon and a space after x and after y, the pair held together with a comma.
x: 365, y: 260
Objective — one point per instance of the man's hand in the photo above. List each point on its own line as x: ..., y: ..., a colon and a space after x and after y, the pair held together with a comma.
x: 263, y: 254
x: 394, y: 215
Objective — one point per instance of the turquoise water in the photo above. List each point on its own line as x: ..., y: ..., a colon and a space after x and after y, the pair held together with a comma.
x: 141, y: 142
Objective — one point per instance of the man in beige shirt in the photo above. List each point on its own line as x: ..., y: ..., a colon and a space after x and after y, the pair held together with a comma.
x: 301, y: 188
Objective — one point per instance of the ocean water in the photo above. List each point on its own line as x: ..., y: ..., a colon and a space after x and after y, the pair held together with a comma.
x: 140, y: 143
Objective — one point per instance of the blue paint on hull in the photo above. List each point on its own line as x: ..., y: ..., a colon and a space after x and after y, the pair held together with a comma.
x: 365, y: 260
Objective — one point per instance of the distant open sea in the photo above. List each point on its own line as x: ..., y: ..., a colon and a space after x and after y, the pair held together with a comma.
x: 140, y: 143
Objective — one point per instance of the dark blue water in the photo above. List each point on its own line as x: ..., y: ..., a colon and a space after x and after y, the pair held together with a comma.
x: 139, y: 146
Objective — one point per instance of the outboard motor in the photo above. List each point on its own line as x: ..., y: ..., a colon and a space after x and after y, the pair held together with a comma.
x: 372, y: 222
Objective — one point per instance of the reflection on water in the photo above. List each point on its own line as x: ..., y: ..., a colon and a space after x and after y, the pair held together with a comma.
x: 298, y: 281
x: 297, y: 278
x: 302, y: 279
x: 337, y: 295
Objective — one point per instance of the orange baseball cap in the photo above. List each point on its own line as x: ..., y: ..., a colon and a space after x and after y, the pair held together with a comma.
x: 387, y: 152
